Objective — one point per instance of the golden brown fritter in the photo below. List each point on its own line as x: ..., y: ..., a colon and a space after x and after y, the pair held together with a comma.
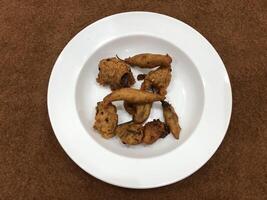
x: 142, y: 112
x: 130, y: 133
x: 158, y: 80
x: 106, y: 119
x: 115, y: 73
x: 154, y: 130
x: 149, y: 60
x: 129, y: 107
x: 132, y: 95
x: 171, y: 119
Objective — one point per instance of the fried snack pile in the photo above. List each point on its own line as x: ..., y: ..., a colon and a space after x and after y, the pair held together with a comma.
x: 148, y: 60
x: 158, y: 80
x: 130, y: 133
x: 132, y: 95
x: 116, y: 73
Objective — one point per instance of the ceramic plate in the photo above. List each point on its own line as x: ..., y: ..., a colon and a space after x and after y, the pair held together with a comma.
x: 200, y: 92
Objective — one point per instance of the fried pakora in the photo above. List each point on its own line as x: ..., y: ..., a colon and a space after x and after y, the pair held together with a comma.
x: 158, y: 80
x: 106, y: 119
x: 171, y: 119
x: 130, y: 133
x: 142, y: 112
x: 154, y: 130
x: 149, y: 60
x: 115, y: 73
x: 132, y: 95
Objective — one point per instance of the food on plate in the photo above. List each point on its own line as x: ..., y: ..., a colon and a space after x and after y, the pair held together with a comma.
x: 141, y: 77
x: 142, y: 112
x: 115, y: 73
x: 132, y: 95
x: 149, y: 60
x: 106, y: 119
x: 129, y: 107
x: 130, y: 133
x: 158, y: 80
x: 171, y: 119
x: 154, y: 130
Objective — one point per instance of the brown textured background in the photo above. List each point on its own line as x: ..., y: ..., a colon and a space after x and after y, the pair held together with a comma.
x: 32, y: 163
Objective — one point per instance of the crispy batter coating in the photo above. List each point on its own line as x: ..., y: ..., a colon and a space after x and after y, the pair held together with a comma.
x: 132, y: 95
x: 142, y: 112
x: 171, y: 119
x: 158, y: 80
x: 115, y: 73
x: 129, y: 107
x: 154, y: 130
x: 149, y: 60
x: 130, y: 133
x: 106, y: 119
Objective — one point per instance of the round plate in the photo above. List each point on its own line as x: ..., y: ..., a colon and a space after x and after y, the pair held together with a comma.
x: 200, y: 92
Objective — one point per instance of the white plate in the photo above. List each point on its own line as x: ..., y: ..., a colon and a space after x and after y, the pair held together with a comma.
x: 200, y: 91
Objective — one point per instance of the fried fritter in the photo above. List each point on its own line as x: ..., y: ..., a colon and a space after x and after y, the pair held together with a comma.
x: 171, y: 119
x: 129, y: 107
x: 154, y: 130
x: 115, y: 73
x: 130, y: 133
x: 158, y: 80
x: 132, y: 95
x: 142, y: 112
x: 106, y: 119
x: 148, y: 60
